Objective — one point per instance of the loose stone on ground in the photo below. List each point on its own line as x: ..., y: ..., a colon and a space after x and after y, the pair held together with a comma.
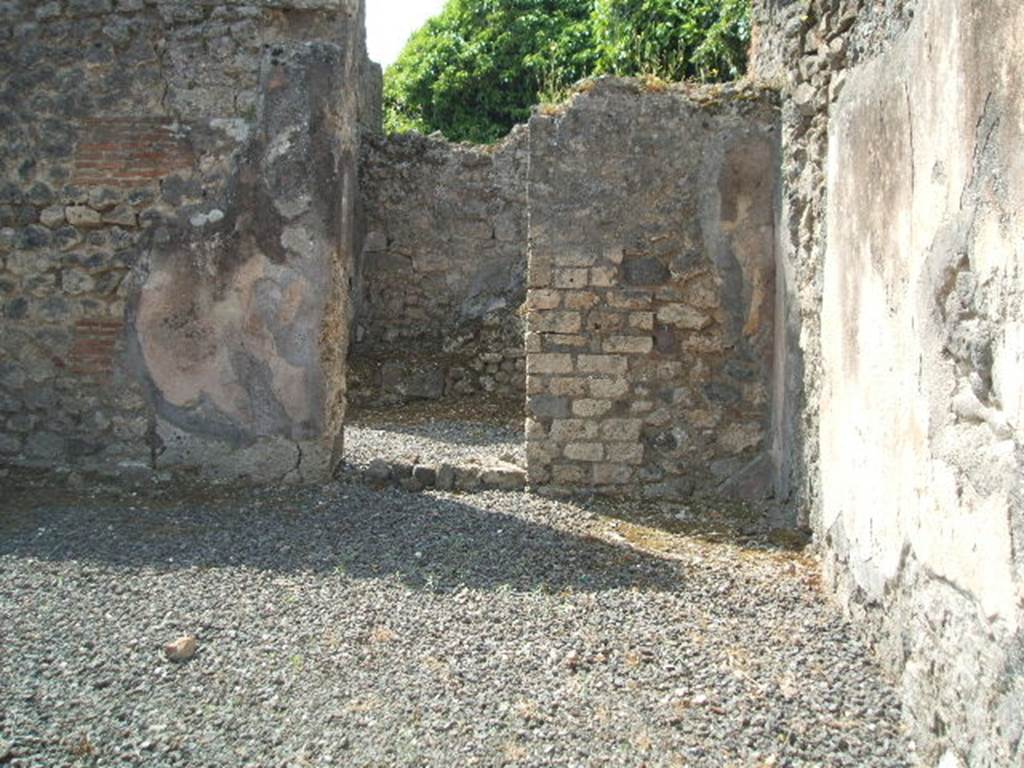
x: 356, y: 627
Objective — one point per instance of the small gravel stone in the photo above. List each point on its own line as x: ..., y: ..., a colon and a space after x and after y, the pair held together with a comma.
x: 182, y: 649
x: 371, y: 627
x: 439, y: 442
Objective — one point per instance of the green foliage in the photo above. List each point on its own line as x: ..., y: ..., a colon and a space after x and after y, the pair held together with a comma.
x: 474, y: 71
x: 673, y: 39
x: 477, y: 68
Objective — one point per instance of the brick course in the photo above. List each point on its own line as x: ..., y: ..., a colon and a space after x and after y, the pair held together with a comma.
x: 640, y: 342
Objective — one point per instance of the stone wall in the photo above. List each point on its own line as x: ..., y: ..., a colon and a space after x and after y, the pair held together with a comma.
x: 903, y: 182
x: 652, y: 291
x: 176, y: 191
x: 442, y: 277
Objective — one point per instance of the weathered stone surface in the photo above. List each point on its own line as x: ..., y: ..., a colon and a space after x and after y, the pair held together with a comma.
x: 406, y: 380
x: 182, y: 649
x: 892, y: 256
x: 921, y: 500
x: 161, y: 310
x: 261, y: 373
x: 425, y: 475
x: 665, y: 248
x: 442, y: 273
x: 503, y: 477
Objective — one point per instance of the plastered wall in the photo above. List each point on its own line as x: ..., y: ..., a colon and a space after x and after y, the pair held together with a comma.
x: 177, y: 186
x: 902, y: 192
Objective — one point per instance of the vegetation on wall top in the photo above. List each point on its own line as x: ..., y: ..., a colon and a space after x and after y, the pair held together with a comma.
x: 477, y: 68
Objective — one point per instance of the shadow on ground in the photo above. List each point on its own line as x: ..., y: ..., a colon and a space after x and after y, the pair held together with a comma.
x: 441, y: 543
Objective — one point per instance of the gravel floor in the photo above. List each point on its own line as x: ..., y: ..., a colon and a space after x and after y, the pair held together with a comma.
x: 349, y: 627
x: 442, y: 441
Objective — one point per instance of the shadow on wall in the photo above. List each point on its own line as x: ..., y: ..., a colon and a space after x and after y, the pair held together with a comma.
x: 430, y: 542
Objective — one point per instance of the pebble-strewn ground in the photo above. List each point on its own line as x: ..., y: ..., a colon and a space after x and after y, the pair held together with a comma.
x: 344, y: 626
x: 435, y: 442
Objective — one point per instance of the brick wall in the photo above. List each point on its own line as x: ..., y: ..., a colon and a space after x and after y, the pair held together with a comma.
x: 130, y: 169
x: 651, y: 292
x: 129, y: 151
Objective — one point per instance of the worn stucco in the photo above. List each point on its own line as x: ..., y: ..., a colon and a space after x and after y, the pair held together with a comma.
x: 177, y: 217
x: 228, y: 323
x: 922, y: 338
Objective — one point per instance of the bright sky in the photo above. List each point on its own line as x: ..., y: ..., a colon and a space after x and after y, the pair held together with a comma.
x: 390, y: 22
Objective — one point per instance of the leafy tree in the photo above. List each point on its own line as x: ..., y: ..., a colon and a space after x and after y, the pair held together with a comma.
x: 673, y: 39
x: 476, y: 69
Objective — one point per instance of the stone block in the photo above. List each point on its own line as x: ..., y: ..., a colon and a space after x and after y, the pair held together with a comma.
x: 567, y: 386
x: 627, y: 430
x: 544, y: 298
x: 570, y: 475
x: 629, y: 299
x: 555, y: 322
x: 581, y: 300
x: 588, y: 408
x: 548, y: 407
x: 608, y: 389
x: 642, y: 321
x: 564, y: 342
x: 425, y: 475
x: 503, y: 477
x: 547, y: 362
x: 589, y: 452
x: 542, y: 452
x: 614, y: 254
x: 683, y: 316
x: 52, y: 217
x: 629, y: 345
x: 538, y: 474
x: 571, y: 278
x: 704, y: 293
x: 467, y: 479
x: 573, y: 430
x: 535, y: 430
x: 76, y: 283
x: 574, y: 257
x: 610, y: 364
x: 603, y: 277
x: 122, y: 216
x: 612, y: 474
x: 625, y: 453
x: 537, y: 385
x: 83, y: 217
x: 540, y: 276
x: 603, y: 322
x: 445, y: 477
